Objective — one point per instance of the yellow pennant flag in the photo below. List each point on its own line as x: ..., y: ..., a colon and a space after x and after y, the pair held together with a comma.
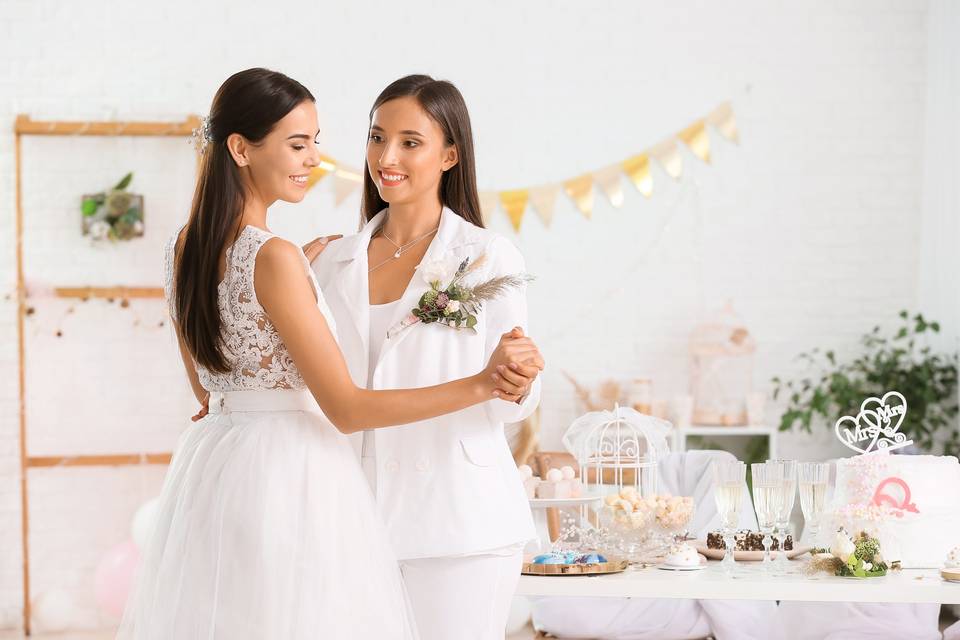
x: 725, y: 122
x: 696, y: 137
x: 515, y: 204
x: 609, y: 180
x: 319, y: 172
x: 488, y: 205
x: 637, y: 169
x: 580, y: 190
x: 345, y: 182
x: 544, y: 200
x: 668, y: 155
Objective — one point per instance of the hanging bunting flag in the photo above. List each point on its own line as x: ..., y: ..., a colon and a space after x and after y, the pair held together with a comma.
x: 488, y: 205
x: 345, y: 182
x: 515, y: 204
x: 319, y: 172
x: 608, y: 179
x: 544, y: 200
x: 696, y: 137
x: 668, y: 155
x: 580, y: 190
x: 637, y: 169
x: 316, y: 175
x: 349, y: 173
x: 725, y: 122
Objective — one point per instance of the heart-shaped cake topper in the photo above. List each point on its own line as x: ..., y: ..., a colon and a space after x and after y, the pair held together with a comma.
x: 877, y: 426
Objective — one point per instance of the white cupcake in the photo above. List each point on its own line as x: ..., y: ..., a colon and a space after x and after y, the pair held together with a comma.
x: 951, y: 567
x: 682, y: 556
x: 554, y: 486
x: 953, y: 560
x: 530, y: 481
x: 576, y: 487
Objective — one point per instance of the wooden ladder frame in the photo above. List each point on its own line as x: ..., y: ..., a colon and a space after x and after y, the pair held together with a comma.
x: 24, y: 126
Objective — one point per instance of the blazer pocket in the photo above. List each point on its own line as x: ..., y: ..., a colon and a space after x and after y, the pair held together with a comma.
x: 479, y: 451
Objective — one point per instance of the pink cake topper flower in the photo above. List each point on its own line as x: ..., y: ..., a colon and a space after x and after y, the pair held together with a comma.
x: 880, y: 497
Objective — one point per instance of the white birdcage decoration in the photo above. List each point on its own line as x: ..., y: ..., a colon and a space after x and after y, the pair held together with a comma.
x: 618, y: 449
x: 721, y: 369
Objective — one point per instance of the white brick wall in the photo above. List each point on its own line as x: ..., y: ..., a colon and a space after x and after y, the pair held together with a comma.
x: 811, y: 226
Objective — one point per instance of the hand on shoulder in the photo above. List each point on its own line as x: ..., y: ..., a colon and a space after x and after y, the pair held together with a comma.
x: 315, y: 247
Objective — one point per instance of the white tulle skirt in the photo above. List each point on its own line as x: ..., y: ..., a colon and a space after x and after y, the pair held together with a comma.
x: 267, y: 529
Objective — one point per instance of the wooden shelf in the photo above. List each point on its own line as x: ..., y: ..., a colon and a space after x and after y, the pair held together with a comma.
x: 24, y: 125
x: 731, y: 430
x: 117, y: 460
x: 679, y: 435
x: 109, y: 292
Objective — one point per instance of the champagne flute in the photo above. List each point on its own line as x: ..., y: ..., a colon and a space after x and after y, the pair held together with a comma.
x: 767, y: 499
x: 728, y: 478
x: 813, y: 478
x: 788, y: 498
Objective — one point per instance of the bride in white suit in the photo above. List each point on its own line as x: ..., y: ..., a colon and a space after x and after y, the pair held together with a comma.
x: 447, y: 488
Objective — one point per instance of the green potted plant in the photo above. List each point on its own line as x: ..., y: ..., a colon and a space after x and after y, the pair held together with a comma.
x: 113, y: 215
x: 900, y: 362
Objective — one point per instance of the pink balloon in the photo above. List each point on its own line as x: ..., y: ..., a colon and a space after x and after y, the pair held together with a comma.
x: 114, y: 578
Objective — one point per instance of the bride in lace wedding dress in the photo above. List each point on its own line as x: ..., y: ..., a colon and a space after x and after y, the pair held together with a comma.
x: 267, y: 528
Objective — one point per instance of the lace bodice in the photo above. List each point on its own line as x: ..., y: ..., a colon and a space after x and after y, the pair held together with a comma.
x: 257, y: 357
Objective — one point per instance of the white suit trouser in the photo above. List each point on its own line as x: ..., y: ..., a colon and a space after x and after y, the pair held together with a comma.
x: 463, y: 597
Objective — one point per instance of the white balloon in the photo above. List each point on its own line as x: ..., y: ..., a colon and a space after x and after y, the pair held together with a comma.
x: 519, y: 614
x: 53, y: 610
x: 144, y: 521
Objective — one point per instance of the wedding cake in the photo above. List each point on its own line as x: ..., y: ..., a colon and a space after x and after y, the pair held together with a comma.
x: 911, y: 503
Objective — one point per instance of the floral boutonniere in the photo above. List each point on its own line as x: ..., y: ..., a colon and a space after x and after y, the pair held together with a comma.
x: 455, y: 303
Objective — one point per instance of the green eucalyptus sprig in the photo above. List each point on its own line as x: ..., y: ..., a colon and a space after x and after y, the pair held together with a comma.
x: 115, y: 214
x: 457, y: 304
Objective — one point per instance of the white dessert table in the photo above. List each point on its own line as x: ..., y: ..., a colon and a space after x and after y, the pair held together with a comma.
x: 680, y: 434
x: 907, y: 586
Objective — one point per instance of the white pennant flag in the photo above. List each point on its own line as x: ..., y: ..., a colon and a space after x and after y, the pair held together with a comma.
x: 544, y: 200
x: 345, y: 182
x: 488, y: 205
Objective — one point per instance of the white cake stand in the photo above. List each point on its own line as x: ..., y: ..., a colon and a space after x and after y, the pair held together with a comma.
x: 551, y: 516
x: 547, y: 503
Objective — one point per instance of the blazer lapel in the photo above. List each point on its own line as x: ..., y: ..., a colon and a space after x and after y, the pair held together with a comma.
x: 453, y: 233
x: 353, y: 286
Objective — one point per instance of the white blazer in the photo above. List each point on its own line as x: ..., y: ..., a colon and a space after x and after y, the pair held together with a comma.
x: 446, y: 486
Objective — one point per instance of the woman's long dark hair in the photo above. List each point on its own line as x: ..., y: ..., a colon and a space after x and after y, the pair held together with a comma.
x: 249, y: 103
x: 444, y: 103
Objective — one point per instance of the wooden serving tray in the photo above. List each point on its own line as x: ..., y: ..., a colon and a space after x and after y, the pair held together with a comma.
x: 596, y: 569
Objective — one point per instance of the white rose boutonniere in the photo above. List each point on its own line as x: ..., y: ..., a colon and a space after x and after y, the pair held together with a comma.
x: 436, y: 272
x: 456, y: 304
